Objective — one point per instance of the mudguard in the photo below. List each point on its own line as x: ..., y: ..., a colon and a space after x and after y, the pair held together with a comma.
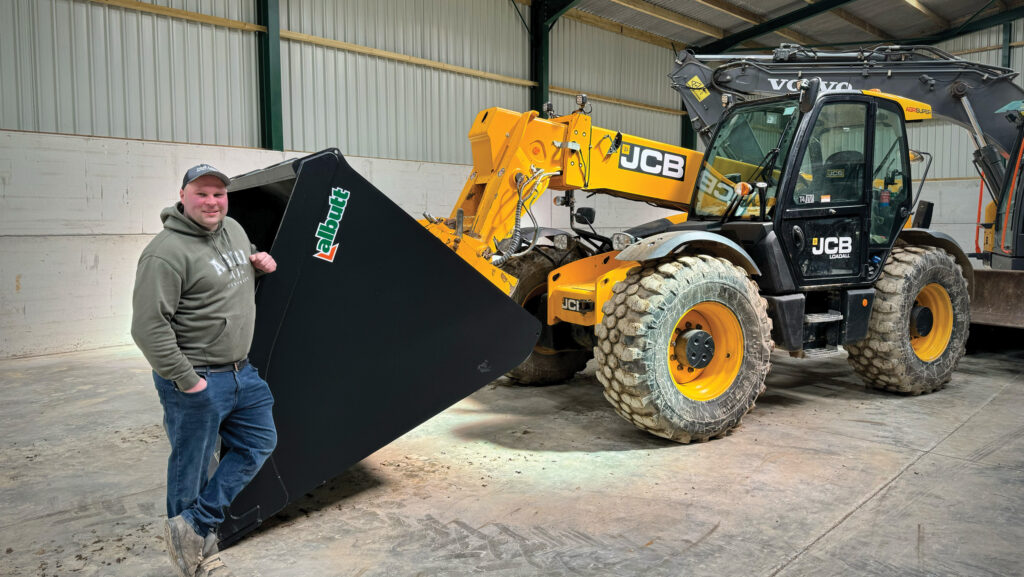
x: 369, y: 326
x: 928, y: 237
x: 666, y: 243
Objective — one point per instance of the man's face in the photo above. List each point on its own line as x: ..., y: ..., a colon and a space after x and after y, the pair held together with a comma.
x: 206, y: 201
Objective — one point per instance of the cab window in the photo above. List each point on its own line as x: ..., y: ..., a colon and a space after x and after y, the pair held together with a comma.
x: 890, y: 178
x: 832, y: 169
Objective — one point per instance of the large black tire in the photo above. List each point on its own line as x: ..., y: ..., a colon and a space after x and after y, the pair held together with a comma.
x: 544, y: 366
x: 893, y: 357
x: 639, y: 364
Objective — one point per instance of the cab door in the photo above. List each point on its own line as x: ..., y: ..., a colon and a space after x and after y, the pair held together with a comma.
x: 825, y: 213
x: 891, y: 189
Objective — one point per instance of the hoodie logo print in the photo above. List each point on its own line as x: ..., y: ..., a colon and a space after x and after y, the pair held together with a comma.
x: 229, y: 261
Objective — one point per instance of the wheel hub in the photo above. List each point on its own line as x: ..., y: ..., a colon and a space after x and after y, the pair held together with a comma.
x: 706, y: 351
x: 921, y: 320
x: 700, y: 348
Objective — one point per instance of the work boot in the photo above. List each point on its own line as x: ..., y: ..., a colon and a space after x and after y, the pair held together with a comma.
x: 184, y: 545
x: 212, y: 565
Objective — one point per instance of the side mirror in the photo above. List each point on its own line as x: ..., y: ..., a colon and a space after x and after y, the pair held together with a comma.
x: 809, y: 94
x: 585, y: 215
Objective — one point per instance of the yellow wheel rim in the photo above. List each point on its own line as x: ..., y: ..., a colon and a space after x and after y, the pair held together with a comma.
x: 711, y: 381
x: 931, y: 346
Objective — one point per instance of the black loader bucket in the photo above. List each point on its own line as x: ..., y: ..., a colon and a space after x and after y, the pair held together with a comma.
x: 368, y: 328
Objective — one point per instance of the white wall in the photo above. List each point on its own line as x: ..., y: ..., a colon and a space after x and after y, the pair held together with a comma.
x: 75, y: 212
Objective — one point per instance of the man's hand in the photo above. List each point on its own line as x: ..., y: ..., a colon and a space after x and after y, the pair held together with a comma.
x: 263, y: 261
x: 200, y: 387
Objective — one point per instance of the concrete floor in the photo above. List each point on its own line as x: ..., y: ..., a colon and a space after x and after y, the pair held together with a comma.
x: 824, y: 477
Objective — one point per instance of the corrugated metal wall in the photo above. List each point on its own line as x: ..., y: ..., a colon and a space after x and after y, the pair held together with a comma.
x: 949, y: 143
x: 588, y: 59
x: 76, y: 67
x: 369, y: 106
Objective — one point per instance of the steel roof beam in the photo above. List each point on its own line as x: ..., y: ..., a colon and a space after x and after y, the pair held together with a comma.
x: 973, y: 26
x: 672, y: 17
x: 754, y: 18
x: 772, y: 25
x: 857, y: 22
x: 928, y: 12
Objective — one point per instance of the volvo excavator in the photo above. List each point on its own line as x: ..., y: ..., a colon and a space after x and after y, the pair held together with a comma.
x: 791, y: 231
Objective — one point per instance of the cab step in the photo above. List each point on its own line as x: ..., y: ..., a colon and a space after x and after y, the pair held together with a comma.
x: 817, y: 318
x: 823, y: 352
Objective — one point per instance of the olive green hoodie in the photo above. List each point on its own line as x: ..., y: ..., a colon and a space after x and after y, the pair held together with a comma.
x: 194, y: 302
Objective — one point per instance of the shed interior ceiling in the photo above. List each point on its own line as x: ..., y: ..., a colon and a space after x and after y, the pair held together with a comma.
x: 858, y: 22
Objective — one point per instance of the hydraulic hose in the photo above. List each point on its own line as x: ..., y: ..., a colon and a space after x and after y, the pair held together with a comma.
x: 504, y: 255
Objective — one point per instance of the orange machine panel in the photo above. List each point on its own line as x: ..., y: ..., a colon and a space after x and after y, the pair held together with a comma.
x: 577, y: 290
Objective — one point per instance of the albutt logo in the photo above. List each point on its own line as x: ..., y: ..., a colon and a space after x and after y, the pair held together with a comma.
x: 328, y: 229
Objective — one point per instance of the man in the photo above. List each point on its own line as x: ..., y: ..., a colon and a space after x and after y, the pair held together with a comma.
x: 193, y: 317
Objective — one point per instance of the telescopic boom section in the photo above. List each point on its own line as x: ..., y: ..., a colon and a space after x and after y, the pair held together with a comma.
x: 517, y: 156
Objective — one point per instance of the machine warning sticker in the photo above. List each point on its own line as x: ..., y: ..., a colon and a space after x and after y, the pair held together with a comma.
x: 328, y: 229
x: 652, y: 161
x: 805, y: 199
x: 698, y: 89
x: 825, y: 198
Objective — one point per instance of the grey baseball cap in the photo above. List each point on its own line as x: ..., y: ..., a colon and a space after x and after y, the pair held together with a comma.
x: 202, y: 170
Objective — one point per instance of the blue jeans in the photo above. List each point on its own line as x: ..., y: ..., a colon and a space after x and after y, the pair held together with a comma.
x: 237, y: 406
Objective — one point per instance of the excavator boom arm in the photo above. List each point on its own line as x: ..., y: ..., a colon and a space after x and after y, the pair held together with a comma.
x: 954, y: 88
x: 921, y: 73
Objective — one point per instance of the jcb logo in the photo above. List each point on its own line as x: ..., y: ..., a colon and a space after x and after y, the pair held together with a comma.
x: 833, y: 246
x: 577, y: 305
x: 652, y: 161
